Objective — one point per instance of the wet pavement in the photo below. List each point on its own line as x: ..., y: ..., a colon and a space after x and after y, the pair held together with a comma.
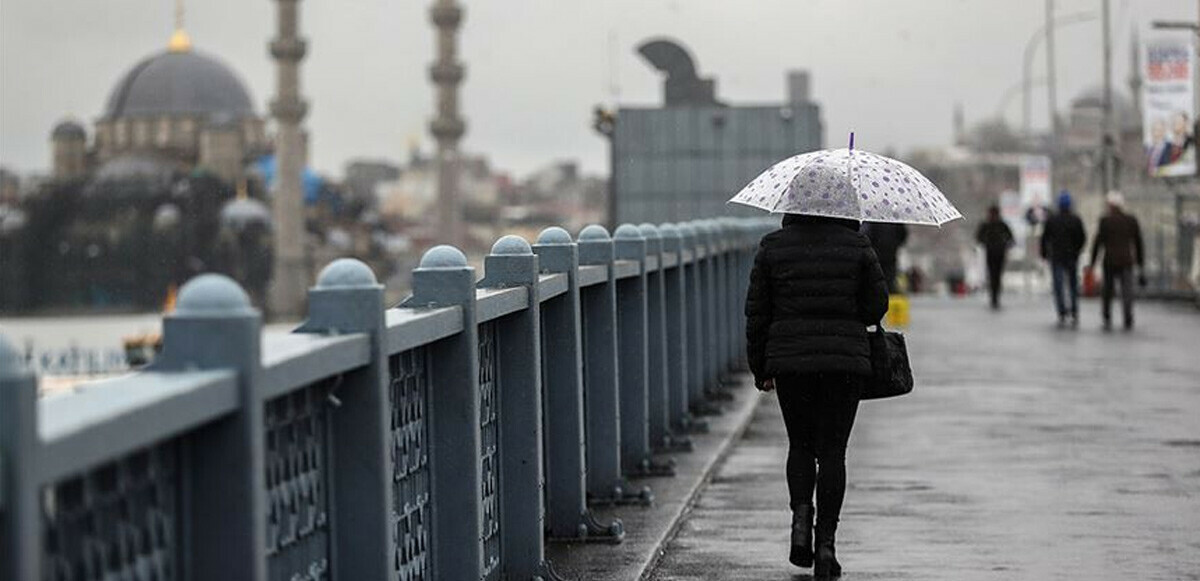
x: 1025, y: 452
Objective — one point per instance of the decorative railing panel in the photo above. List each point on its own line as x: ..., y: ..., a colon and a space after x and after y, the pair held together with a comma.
x: 116, y: 521
x: 297, y: 467
x: 408, y: 395
x: 489, y: 426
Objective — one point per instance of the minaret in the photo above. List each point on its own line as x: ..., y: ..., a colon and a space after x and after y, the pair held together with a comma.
x: 447, y: 127
x: 290, y: 276
x: 960, y: 125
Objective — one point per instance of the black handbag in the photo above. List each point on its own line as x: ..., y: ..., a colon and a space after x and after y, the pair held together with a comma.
x: 891, y: 373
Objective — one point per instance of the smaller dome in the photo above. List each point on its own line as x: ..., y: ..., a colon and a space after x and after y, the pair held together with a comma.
x: 11, y: 220
x: 69, y: 129
x: 242, y: 212
x: 1124, y: 113
x: 166, y: 216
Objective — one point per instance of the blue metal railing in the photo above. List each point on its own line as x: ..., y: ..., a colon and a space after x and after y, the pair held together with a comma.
x: 445, y: 438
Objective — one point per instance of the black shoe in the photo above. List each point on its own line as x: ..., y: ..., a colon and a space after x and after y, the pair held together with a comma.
x: 1128, y: 324
x: 827, y: 566
x: 1107, y: 325
x: 802, y: 528
x: 1074, y: 321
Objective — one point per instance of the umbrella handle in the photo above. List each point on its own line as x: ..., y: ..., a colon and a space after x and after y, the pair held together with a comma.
x: 851, y: 141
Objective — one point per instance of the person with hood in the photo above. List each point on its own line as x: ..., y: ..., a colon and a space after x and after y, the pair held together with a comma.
x: 996, y: 238
x: 886, y: 239
x: 1063, y: 239
x: 815, y: 287
x: 1119, y: 237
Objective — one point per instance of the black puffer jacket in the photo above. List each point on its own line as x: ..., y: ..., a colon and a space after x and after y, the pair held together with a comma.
x: 815, y: 287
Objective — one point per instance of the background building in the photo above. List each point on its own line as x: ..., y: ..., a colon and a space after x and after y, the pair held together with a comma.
x: 178, y: 109
x: 685, y: 159
x: 162, y: 190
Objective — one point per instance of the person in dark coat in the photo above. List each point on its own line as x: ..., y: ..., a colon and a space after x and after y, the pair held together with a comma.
x: 887, y: 239
x: 1119, y: 237
x: 996, y: 238
x: 815, y: 287
x: 1062, y: 242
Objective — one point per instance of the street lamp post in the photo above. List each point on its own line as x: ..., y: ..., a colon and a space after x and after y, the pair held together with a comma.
x: 1106, y: 141
x: 1030, y: 49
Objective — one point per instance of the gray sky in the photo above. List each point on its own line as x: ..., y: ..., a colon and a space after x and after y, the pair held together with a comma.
x: 891, y: 70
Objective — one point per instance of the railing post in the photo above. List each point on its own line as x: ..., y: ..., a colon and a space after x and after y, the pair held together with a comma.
x: 725, y: 310
x: 512, y: 263
x: 660, y: 378
x: 728, y: 314
x: 20, y: 515
x: 706, y: 245
x: 349, y: 299
x: 695, y: 323
x: 749, y: 245
x: 214, y: 327
x: 602, y: 404
x: 677, y: 330
x: 737, y: 251
x: 443, y: 279
x: 720, y: 298
x: 633, y: 362
x: 657, y: 378
x: 562, y: 362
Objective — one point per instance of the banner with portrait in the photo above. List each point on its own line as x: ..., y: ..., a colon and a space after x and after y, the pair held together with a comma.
x: 1168, y: 85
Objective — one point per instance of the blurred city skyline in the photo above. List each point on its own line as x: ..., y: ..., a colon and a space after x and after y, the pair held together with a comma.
x: 891, y: 71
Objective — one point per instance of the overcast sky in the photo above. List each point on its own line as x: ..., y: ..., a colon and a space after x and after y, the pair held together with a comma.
x: 891, y: 70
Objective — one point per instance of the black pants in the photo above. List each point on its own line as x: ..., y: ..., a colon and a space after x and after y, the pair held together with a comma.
x: 995, y: 267
x: 1113, y: 276
x: 818, y: 411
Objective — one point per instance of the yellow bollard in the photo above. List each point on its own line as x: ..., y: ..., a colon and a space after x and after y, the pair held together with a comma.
x: 897, y: 313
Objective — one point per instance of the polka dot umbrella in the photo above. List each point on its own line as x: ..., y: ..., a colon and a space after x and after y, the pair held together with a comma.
x: 844, y: 183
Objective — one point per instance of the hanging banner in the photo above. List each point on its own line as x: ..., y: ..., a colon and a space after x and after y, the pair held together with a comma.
x: 1168, y: 69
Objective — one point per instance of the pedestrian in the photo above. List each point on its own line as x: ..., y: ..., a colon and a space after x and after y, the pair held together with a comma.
x: 1119, y: 237
x: 996, y: 238
x: 1063, y: 239
x: 815, y: 287
x: 887, y: 239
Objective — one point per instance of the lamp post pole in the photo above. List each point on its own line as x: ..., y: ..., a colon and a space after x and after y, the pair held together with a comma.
x: 1027, y: 64
x: 1051, y: 77
x: 1106, y: 141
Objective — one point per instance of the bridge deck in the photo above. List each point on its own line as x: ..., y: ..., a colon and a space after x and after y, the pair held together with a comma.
x: 1024, y: 453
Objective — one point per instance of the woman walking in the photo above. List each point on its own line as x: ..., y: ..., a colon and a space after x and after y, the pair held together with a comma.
x: 815, y: 287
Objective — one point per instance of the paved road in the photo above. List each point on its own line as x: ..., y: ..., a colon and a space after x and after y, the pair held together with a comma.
x: 1026, y: 452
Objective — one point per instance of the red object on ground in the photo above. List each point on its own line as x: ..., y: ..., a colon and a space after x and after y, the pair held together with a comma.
x: 1090, y: 287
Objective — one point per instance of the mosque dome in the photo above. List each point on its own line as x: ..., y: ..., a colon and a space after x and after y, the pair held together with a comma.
x: 69, y: 129
x: 1124, y: 111
x: 180, y: 81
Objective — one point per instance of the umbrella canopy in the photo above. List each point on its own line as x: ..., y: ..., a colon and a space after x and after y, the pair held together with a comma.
x: 844, y: 183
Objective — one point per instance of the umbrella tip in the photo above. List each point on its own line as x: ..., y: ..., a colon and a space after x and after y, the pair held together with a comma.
x: 851, y: 141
